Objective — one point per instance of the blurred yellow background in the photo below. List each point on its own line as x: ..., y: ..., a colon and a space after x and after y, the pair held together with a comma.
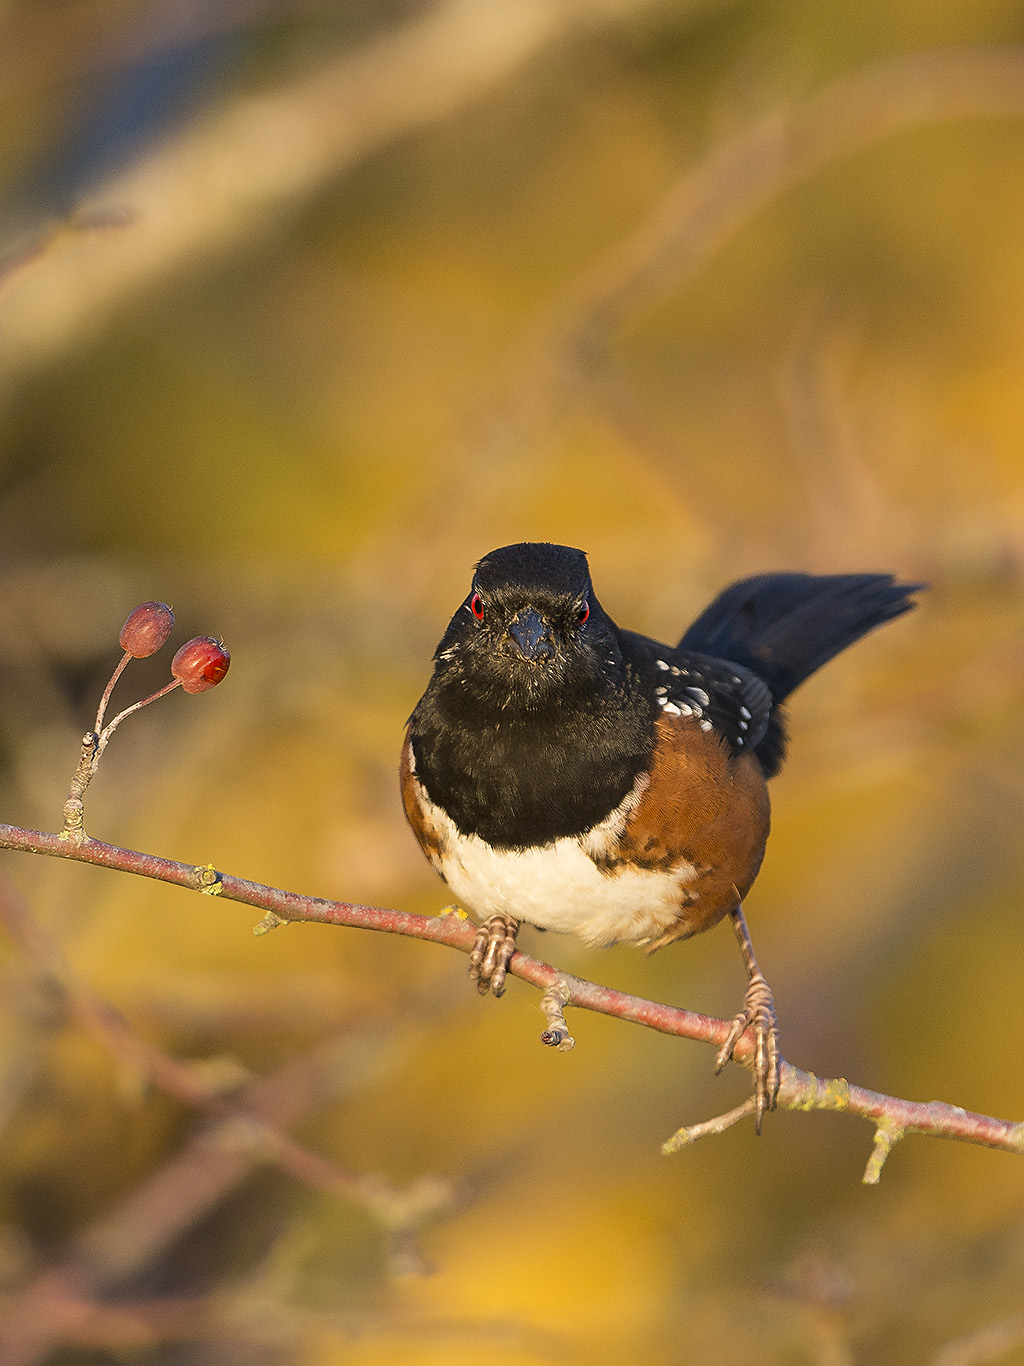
x: 303, y: 308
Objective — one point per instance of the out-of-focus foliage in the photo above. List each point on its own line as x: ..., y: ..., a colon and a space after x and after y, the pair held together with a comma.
x: 302, y: 434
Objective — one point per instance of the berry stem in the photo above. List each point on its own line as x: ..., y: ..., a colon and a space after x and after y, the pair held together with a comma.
x: 109, y: 689
x: 111, y: 726
x: 94, y: 742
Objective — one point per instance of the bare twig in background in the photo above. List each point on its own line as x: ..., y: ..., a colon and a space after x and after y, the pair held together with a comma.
x: 134, y: 1233
x: 818, y: 1287
x: 989, y: 1344
x: 104, y: 1023
x: 305, y: 1004
x: 242, y: 1317
x: 229, y: 178
x: 893, y: 1117
x: 710, y: 204
x: 845, y: 509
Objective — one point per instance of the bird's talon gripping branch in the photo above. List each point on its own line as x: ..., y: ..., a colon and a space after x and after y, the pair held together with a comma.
x: 758, y: 1011
x: 495, y: 944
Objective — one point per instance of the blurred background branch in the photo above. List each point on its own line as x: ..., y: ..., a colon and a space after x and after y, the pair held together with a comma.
x: 570, y: 360
x: 186, y: 1083
x: 217, y: 185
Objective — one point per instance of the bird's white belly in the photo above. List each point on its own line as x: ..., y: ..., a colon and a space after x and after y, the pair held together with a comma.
x: 558, y: 886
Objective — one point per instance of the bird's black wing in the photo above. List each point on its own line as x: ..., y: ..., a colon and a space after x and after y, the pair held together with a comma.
x: 719, y: 695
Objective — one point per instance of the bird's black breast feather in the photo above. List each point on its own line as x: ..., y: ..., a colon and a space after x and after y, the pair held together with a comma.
x: 524, y: 781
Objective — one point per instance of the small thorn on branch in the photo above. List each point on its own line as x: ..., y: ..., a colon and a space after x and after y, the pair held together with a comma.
x: 553, y: 1004
x: 886, y: 1138
x: 269, y: 922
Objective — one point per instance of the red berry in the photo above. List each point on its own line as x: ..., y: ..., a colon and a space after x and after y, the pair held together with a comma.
x: 200, y: 664
x: 147, y: 629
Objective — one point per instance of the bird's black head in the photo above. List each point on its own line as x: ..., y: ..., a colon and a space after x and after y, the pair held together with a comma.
x: 529, y: 632
x: 534, y: 724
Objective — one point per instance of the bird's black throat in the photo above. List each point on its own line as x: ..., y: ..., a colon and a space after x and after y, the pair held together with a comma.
x: 519, y: 775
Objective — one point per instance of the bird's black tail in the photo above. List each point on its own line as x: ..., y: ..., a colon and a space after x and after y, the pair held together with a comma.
x: 785, y: 626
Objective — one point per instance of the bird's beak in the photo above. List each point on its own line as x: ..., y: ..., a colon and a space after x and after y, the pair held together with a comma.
x: 529, y: 634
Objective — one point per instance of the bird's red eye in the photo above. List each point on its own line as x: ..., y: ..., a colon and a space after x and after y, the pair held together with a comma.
x: 584, y: 612
x: 476, y: 606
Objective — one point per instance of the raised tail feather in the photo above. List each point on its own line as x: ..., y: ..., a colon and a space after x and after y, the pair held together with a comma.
x: 785, y: 626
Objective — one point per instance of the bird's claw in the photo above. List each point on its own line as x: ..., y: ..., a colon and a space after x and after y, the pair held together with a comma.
x: 758, y: 1011
x: 492, y: 951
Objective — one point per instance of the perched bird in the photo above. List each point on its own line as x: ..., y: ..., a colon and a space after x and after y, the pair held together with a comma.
x: 564, y: 772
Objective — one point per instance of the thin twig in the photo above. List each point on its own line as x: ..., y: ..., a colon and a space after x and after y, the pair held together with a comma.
x: 111, y: 726
x: 691, y: 1132
x: 799, y: 1090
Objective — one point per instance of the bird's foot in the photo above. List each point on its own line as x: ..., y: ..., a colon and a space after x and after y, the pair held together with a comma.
x: 492, y: 951
x: 759, y: 1011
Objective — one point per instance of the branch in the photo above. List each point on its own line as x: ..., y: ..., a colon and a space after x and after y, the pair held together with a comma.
x: 893, y: 1117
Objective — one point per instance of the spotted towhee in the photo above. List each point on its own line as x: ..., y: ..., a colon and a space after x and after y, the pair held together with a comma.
x: 564, y: 772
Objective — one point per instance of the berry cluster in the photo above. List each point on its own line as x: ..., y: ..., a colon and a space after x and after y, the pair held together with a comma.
x: 199, y: 665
